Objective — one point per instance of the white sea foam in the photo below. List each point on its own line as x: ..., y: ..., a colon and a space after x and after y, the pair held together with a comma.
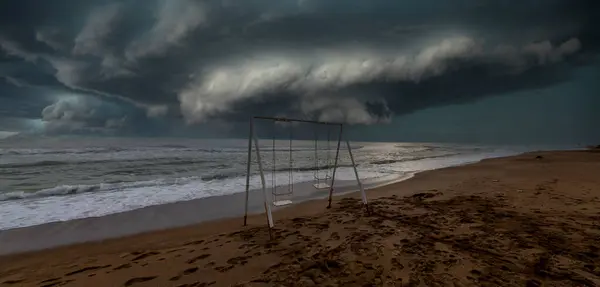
x: 111, y: 180
x: 76, y: 189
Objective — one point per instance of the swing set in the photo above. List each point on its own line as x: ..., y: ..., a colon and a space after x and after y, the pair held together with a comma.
x: 323, y: 174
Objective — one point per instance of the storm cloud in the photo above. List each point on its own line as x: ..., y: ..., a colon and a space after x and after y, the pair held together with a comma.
x: 124, y: 66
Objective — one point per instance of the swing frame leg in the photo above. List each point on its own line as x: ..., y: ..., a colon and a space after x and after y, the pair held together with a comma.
x: 269, y: 226
x: 249, y: 160
x: 360, y: 186
x: 267, y: 200
x: 337, y: 155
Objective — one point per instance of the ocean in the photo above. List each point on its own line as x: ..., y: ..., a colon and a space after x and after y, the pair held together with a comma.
x: 61, y: 179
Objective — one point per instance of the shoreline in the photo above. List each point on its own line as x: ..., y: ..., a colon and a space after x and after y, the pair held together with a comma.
x: 524, y: 220
x: 160, y: 217
x: 45, y: 209
x: 174, y: 215
x: 168, y: 216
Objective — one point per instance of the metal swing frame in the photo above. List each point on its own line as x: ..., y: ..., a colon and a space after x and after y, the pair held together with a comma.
x: 269, y: 200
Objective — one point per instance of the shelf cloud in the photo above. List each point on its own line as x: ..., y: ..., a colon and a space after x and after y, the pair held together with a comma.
x: 124, y: 66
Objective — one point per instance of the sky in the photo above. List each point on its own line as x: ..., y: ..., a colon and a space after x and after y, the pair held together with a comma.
x: 431, y: 70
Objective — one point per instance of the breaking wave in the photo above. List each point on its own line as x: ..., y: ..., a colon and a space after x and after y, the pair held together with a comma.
x: 62, y: 190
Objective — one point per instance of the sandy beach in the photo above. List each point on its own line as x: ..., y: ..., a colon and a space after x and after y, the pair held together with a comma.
x: 527, y: 220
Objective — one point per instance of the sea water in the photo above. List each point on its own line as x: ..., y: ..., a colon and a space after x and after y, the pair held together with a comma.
x: 60, y: 179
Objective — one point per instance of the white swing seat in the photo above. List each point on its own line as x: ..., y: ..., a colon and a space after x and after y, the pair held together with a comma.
x: 321, y: 185
x: 282, y: 202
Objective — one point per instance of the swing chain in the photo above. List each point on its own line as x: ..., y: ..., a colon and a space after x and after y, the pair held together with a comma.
x: 317, y: 176
x: 273, y: 178
x: 290, y: 188
x: 291, y: 167
x: 328, y: 154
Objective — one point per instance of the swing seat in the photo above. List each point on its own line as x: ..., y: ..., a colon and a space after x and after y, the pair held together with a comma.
x: 322, y: 185
x: 282, y: 202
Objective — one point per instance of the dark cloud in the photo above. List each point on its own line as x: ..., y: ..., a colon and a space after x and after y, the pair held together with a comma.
x: 137, y: 66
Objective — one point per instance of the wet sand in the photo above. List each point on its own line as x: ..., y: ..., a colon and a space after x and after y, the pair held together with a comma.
x: 528, y: 220
x: 151, y: 218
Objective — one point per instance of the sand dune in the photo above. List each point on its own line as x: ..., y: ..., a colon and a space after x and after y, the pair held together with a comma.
x: 529, y: 220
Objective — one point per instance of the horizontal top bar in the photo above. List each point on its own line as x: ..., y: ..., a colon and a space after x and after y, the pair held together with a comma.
x: 296, y: 120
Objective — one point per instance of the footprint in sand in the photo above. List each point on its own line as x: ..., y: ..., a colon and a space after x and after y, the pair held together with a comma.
x: 335, y: 236
x: 123, y: 266
x: 197, y: 242
x: 224, y: 268
x: 136, y: 280
x: 476, y: 272
x: 193, y: 260
x: 47, y: 280
x: 198, y: 284
x: 238, y: 260
x: 144, y: 255
x: 190, y: 270
x: 90, y: 268
x: 17, y: 281
x: 57, y: 283
x: 185, y: 272
x: 175, y: 250
x: 397, y: 264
